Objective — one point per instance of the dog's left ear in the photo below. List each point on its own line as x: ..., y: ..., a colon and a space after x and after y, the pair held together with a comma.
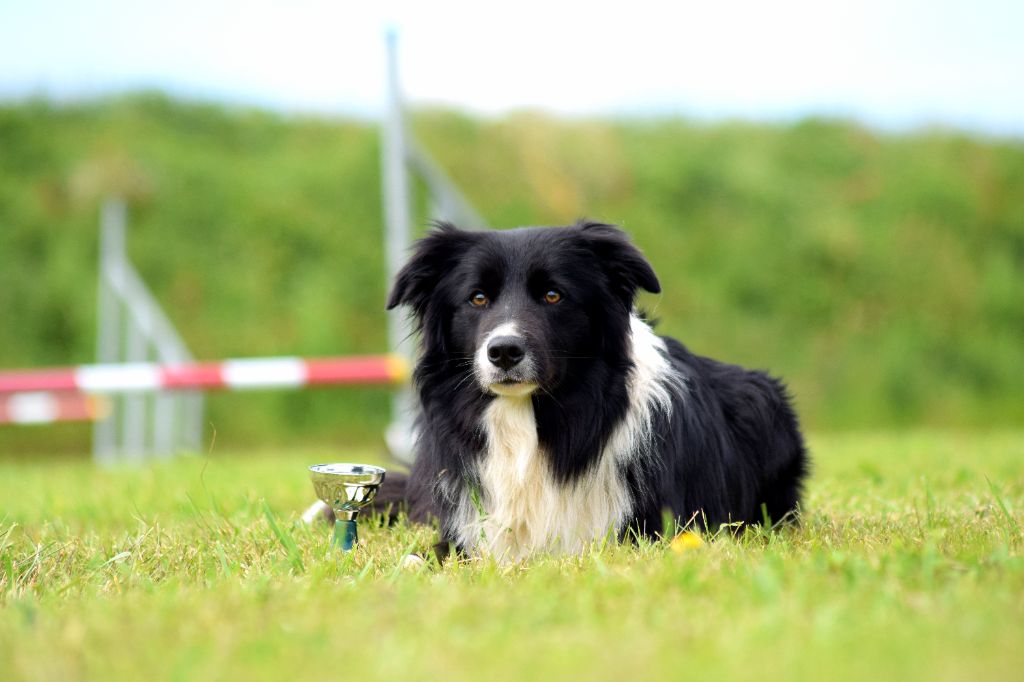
x: 432, y: 256
x: 624, y: 263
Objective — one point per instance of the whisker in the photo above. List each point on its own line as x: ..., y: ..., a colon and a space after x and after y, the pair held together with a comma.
x: 548, y: 394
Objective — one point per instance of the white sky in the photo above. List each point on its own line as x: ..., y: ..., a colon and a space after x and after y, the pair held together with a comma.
x: 894, y: 64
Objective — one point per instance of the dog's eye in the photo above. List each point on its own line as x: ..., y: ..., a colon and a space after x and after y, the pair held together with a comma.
x: 552, y: 297
x: 478, y: 299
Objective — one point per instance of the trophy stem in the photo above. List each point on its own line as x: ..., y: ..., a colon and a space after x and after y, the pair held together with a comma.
x: 345, y: 534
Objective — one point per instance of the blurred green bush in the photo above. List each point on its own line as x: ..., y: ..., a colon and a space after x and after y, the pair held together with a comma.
x: 882, y: 275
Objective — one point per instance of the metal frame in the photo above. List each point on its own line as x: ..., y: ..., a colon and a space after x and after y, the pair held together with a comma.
x: 131, y: 327
x: 401, y: 157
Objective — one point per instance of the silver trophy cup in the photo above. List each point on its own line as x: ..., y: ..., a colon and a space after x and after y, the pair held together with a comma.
x: 346, y: 488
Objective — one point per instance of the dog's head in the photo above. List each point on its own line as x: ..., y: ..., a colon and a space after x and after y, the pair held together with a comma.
x: 521, y: 307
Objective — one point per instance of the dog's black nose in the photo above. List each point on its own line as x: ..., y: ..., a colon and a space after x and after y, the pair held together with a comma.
x: 505, y: 351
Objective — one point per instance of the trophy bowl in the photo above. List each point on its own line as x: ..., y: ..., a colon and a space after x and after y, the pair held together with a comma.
x: 346, y: 488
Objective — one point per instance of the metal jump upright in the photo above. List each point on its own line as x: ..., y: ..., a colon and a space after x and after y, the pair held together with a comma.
x: 403, y: 159
x: 132, y: 328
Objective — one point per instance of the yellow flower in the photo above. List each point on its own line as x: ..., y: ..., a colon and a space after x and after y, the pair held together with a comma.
x: 685, y: 541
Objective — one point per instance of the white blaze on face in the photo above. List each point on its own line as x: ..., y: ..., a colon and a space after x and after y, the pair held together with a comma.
x: 488, y: 375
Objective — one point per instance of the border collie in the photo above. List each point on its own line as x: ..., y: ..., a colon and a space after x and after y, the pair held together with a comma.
x: 552, y: 415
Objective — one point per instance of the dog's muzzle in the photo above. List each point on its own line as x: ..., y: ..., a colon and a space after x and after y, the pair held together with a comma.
x: 503, y: 365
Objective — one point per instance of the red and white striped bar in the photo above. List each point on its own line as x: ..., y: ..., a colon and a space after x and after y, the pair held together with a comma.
x: 254, y: 373
x: 45, y: 407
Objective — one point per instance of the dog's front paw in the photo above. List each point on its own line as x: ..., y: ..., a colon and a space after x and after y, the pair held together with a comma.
x: 318, y: 511
x: 412, y: 562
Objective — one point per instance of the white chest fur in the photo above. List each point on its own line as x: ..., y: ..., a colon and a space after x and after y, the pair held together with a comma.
x: 522, y: 509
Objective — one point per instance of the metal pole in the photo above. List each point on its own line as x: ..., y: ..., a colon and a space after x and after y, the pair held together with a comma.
x: 397, y: 237
x: 133, y: 424
x: 396, y: 196
x: 130, y: 326
x: 108, y: 320
x: 165, y: 417
x: 448, y: 201
x: 187, y: 433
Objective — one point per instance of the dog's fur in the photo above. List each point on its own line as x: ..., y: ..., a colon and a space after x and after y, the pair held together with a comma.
x: 553, y: 415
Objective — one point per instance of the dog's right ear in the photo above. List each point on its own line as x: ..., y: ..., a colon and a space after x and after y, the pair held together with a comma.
x: 432, y: 256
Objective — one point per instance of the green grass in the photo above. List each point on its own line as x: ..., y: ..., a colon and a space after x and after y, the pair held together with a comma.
x: 908, y: 566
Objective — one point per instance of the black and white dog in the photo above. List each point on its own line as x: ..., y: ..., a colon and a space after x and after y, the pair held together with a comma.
x: 552, y: 414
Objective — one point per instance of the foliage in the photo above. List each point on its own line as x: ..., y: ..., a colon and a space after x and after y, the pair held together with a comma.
x: 882, y: 275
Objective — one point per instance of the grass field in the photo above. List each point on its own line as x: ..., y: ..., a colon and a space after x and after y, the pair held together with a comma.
x: 908, y: 566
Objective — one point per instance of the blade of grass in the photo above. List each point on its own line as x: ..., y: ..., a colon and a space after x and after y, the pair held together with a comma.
x: 286, y: 540
x: 1002, y: 506
x: 223, y: 560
